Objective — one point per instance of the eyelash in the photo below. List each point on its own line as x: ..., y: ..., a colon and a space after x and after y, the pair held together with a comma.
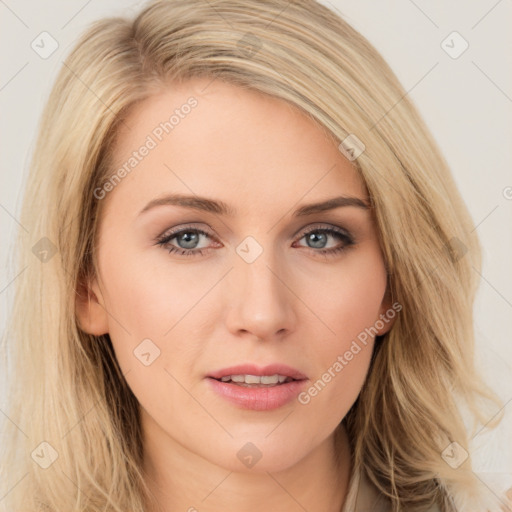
x: 165, y: 239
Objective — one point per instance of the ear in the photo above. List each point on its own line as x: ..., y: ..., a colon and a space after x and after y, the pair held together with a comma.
x: 90, y: 308
x: 388, y: 313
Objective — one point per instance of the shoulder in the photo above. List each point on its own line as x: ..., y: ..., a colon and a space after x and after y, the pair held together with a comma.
x: 363, y: 496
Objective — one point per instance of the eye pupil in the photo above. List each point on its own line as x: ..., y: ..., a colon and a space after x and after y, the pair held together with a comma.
x: 317, y: 239
x: 189, y: 238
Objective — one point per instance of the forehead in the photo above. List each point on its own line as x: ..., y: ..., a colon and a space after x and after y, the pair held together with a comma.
x: 219, y: 140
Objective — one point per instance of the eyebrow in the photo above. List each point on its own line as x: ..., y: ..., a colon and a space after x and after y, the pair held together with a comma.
x: 221, y: 208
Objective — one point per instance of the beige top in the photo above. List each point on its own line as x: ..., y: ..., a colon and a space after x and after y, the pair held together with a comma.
x: 363, y: 496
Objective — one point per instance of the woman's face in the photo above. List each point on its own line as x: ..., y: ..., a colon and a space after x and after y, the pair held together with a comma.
x: 187, y: 290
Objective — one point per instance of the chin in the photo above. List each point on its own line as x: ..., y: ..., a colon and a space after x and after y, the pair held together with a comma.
x: 253, y: 454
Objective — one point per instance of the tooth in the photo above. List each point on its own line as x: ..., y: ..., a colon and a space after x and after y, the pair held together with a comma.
x: 269, y: 379
x: 252, y: 379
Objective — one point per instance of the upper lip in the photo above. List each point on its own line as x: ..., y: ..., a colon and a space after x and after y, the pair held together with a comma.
x: 251, y: 369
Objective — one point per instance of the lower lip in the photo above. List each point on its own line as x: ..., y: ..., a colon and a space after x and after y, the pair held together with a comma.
x: 258, y: 399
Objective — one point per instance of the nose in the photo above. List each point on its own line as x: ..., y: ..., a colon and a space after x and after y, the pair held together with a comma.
x: 261, y: 300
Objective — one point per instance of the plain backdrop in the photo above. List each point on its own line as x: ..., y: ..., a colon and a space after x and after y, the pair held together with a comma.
x: 465, y: 98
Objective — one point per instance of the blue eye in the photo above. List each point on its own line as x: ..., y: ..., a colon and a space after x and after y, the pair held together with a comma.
x: 319, y: 236
x: 190, y: 237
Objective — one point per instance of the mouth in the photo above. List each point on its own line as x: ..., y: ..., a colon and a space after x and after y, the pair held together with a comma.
x: 250, y: 374
x: 256, y: 388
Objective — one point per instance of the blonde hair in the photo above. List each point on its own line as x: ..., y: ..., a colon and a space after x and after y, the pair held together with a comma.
x: 67, y: 388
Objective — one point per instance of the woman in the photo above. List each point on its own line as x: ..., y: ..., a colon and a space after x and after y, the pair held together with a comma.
x: 253, y: 286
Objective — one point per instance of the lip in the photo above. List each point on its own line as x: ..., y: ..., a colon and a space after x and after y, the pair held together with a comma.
x: 255, y: 398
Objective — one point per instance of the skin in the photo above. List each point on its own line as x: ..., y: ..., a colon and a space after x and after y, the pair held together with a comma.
x: 291, y: 305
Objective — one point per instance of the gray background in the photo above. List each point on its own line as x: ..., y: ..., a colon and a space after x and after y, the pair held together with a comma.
x: 466, y: 102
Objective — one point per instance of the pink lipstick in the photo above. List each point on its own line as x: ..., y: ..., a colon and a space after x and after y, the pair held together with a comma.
x: 258, y: 388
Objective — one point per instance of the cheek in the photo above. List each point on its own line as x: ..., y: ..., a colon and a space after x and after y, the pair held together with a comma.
x: 147, y: 325
x: 349, y: 309
x: 341, y: 363
x: 144, y: 299
x: 146, y: 310
x: 348, y: 297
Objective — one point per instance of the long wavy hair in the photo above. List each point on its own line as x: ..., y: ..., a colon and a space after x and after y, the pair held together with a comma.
x: 66, y: 388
